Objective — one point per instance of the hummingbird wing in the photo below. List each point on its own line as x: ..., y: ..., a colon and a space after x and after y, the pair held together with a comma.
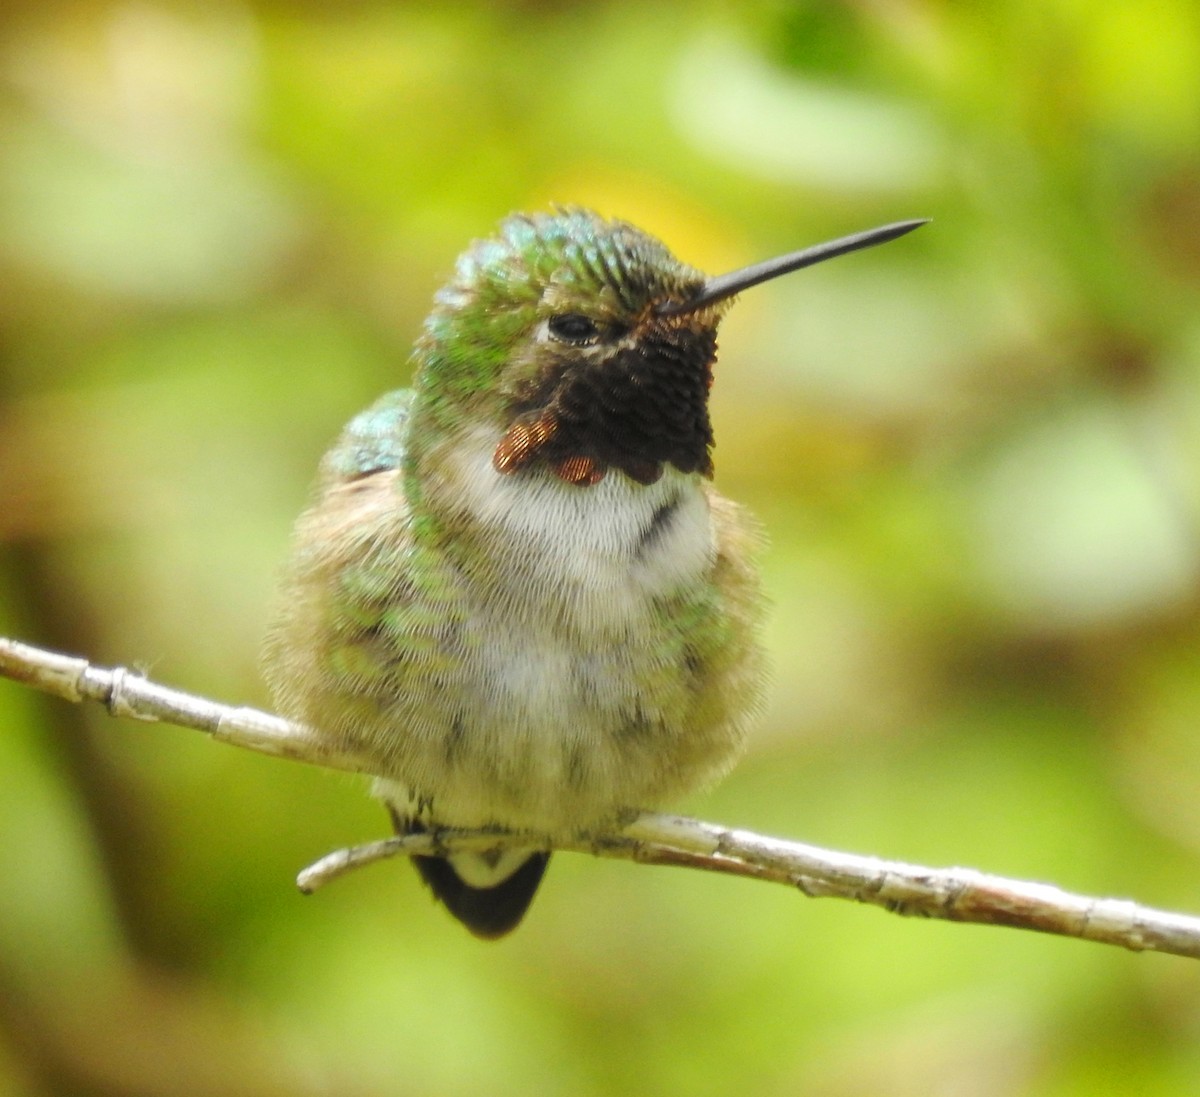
x: 335, y: 662
x: 373, y: 440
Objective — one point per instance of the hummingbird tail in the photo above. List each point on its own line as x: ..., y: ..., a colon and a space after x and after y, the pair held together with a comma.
x: 500, y: 891
x: 488, y: 912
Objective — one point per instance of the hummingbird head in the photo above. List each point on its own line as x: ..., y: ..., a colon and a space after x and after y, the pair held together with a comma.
x: 587, y: 345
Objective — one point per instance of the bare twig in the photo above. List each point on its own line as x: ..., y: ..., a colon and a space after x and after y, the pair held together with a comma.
x: 129, y: 693
x: 953, y: 894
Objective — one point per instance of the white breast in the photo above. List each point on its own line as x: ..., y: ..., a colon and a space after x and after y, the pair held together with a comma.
x: 601, y: 552
x: 567, y: 632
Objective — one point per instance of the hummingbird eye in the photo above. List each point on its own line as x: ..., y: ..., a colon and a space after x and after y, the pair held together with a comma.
x: 572, y: 327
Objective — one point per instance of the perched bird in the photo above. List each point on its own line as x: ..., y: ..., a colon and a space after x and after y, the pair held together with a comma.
x: 517, y: 592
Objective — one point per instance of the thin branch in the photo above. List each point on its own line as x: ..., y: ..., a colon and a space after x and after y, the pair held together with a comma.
x: 129, y: 693
x: 952, y: 894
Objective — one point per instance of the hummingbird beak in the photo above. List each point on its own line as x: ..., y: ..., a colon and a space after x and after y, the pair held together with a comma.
x: 726, y: 285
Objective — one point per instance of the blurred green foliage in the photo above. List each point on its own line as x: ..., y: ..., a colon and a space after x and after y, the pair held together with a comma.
x: 977, y: 453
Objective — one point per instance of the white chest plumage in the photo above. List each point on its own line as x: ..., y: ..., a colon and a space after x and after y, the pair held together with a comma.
x: 565, y: 627
x: 603, y: 553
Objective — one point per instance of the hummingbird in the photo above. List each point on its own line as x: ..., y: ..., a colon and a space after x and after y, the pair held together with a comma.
x: 517, y: 593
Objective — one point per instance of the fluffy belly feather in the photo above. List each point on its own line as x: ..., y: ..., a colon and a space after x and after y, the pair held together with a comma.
x: 576, y: 684
x: 553, y: 656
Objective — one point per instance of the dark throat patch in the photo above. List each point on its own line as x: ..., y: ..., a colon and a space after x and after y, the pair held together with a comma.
x: 636, y: 410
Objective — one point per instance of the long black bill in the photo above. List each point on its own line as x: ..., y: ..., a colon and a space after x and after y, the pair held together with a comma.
x: 726, y: 285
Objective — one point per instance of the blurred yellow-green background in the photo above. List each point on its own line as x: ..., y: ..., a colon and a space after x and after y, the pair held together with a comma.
x: 977, y: 452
